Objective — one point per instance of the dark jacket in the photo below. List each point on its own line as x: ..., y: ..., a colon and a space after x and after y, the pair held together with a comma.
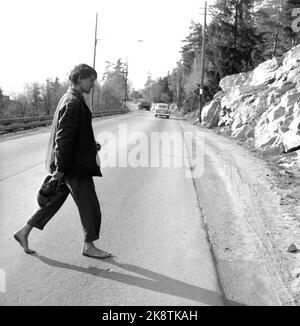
x: 72, y: 148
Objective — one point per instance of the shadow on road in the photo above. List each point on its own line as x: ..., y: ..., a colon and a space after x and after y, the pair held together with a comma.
x: 177, y: 118
x: 150, y: 280
x: 173, y: 118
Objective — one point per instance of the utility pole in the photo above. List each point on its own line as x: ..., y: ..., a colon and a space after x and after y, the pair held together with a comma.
x: 126, y: 77
x: 178, y: 82
x: 195, y: 59
x: 201, y: 91
x: 94, y: 61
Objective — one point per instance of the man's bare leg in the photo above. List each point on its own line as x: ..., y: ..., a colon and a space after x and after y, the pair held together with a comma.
x: 90, y: 250
x: 22, y: 237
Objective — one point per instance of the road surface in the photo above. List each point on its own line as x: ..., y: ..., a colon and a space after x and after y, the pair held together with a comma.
x: 152, y: 223
x: 191, y: 218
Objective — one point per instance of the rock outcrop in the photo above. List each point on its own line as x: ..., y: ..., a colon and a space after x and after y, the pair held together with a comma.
x: 262, y: 106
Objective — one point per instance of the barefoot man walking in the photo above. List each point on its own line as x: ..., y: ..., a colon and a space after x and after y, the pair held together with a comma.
x: 71, y: 160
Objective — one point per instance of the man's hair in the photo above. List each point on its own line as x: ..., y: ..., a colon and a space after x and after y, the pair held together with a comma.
x: 82, y: 71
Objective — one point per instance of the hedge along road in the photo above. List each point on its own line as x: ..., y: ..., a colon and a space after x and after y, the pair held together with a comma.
x: 155, y: 222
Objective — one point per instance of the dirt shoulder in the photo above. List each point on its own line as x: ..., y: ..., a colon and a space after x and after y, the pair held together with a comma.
x: 251, y: 205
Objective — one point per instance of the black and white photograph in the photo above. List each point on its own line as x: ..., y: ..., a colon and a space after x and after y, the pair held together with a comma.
x: 150, y: 156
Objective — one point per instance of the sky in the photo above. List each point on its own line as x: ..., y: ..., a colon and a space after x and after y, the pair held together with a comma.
x: 43, y: 39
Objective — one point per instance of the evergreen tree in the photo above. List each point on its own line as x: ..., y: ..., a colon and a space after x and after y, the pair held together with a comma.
x: 47, y: 97
x: 191, y: 49
x: 112, y: 93
x: 235, y: 36
x: 274, y: 21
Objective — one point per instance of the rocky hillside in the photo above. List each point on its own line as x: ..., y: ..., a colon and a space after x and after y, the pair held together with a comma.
x: 261, y: 107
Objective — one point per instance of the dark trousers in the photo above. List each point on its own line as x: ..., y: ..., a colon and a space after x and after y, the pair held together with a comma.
x: 83, y: 192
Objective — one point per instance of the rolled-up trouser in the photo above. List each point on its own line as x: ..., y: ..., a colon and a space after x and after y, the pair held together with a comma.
x: 83, y: 192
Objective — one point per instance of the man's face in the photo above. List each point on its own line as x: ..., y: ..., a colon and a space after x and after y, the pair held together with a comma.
x: 86, y: 84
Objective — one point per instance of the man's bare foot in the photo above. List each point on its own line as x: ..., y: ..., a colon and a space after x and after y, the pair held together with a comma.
x: 94, y: 252
x: 23, y: 241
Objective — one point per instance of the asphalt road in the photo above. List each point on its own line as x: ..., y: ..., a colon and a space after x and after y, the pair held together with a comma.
x: 152, y: 222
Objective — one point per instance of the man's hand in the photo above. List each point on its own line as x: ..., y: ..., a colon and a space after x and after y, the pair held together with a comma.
x: 57, y: 175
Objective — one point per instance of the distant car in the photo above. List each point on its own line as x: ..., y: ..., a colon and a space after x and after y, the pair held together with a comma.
x: 162, y: 109
x: 145, y: 105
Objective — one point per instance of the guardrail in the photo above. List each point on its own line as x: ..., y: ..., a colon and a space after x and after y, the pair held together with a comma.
x: 8, y: 125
